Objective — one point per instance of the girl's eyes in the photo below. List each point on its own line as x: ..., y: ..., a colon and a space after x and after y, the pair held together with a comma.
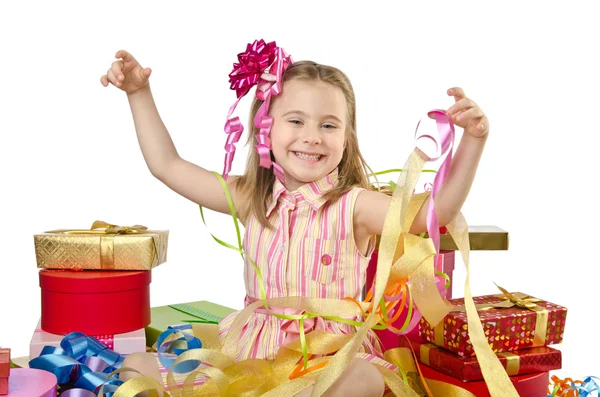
x: 326, y: 126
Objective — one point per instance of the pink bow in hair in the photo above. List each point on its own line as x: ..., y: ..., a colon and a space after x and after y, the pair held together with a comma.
x: 251, y: 65
x: 261, y: 64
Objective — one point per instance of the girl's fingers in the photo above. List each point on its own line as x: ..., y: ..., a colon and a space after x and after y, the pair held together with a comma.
x: 127, y: 57
x: 117, y: 69
x: 469, y: 115
x: 457, y: 93
x: 461, y: 105
x: 145, y: 73
x: 112, y: 78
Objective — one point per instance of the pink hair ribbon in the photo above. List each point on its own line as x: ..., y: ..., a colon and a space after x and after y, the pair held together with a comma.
x: 262, y: 64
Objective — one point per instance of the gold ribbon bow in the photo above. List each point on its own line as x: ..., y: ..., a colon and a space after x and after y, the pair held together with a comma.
x: 101, y: 227
x: 107, y: 228
x: 519, y: 299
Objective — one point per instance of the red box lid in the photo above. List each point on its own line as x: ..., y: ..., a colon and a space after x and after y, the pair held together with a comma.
x: 93, y: 281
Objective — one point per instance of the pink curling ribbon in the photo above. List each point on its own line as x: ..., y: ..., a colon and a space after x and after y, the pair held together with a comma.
x: 249, y: 71
x: 233, y: 129
x: 446, y: 137
x: 444, y: 143
x: 269, y: 85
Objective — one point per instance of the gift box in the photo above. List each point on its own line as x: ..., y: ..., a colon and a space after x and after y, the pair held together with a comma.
x: 444, y: 262
x: 103, y: 247
x: 530, y: 385
x: 94, y: 302
x: 466, y: 369
x: 181, y: 313
x: 4, y: 370
x: 510, y: 321
x: 129, y: 342
x: 29, y: 382
x: 481, y: 238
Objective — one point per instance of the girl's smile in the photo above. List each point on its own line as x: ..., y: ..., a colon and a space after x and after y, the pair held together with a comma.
x: 308, y: 135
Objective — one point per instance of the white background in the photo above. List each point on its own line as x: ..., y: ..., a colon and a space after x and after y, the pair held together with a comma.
x: 69, y: 154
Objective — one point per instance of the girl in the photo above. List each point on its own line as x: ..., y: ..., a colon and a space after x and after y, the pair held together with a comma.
x: 309, y: 222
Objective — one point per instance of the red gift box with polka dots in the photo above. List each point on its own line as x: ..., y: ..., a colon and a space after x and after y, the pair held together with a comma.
x: 507, y: 329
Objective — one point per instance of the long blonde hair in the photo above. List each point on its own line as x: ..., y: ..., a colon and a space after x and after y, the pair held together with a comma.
x: 257, y: 182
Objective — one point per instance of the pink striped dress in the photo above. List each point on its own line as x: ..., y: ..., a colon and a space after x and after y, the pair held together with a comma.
x: 311, y: 252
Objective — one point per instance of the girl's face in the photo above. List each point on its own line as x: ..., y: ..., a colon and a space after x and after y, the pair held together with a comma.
x: 308, y: 133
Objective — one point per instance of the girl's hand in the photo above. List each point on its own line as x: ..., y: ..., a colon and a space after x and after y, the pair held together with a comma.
x: 126, y: 73
x: 466, y: 114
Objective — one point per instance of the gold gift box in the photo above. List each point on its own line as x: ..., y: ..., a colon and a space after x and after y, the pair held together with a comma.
x: 481, y: 238
x: 101, y: 250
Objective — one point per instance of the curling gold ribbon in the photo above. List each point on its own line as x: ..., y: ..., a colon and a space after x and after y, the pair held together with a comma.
x: 107, y: 240
x: 513, y: 363
x: 404, y: 358
x: 401, y: 255
x: 324, y: 308
x: 409, y: 255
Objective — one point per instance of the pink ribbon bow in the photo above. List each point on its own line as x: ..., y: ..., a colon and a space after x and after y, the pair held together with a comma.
x: 261, y: 64
x: 251, y: 65
x: 292, y: 327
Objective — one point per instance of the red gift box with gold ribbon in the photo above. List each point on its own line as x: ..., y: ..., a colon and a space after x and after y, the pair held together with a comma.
x: 94, y: 302
x: 467, y: 369
x: 511, y: 321
x: 530, y: 385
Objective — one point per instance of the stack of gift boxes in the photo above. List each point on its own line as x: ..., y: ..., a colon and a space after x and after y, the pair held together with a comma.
x: 518, y: 327
x: 97, y: 282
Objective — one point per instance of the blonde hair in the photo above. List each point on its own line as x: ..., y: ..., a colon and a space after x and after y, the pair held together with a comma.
x: 257, y: 182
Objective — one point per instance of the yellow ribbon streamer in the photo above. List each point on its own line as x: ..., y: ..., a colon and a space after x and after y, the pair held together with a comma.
x: 495, y: 376
x: 401, y: 256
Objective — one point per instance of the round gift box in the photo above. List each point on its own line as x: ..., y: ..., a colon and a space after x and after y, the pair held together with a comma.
x: 95, y: 302
x: 28, y: 382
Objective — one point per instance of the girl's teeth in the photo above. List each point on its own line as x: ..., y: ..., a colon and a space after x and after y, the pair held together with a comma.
x: 308, y: 157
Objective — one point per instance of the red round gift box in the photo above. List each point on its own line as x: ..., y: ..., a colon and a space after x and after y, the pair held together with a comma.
x: 530, y: 385
x: 95, y: 302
